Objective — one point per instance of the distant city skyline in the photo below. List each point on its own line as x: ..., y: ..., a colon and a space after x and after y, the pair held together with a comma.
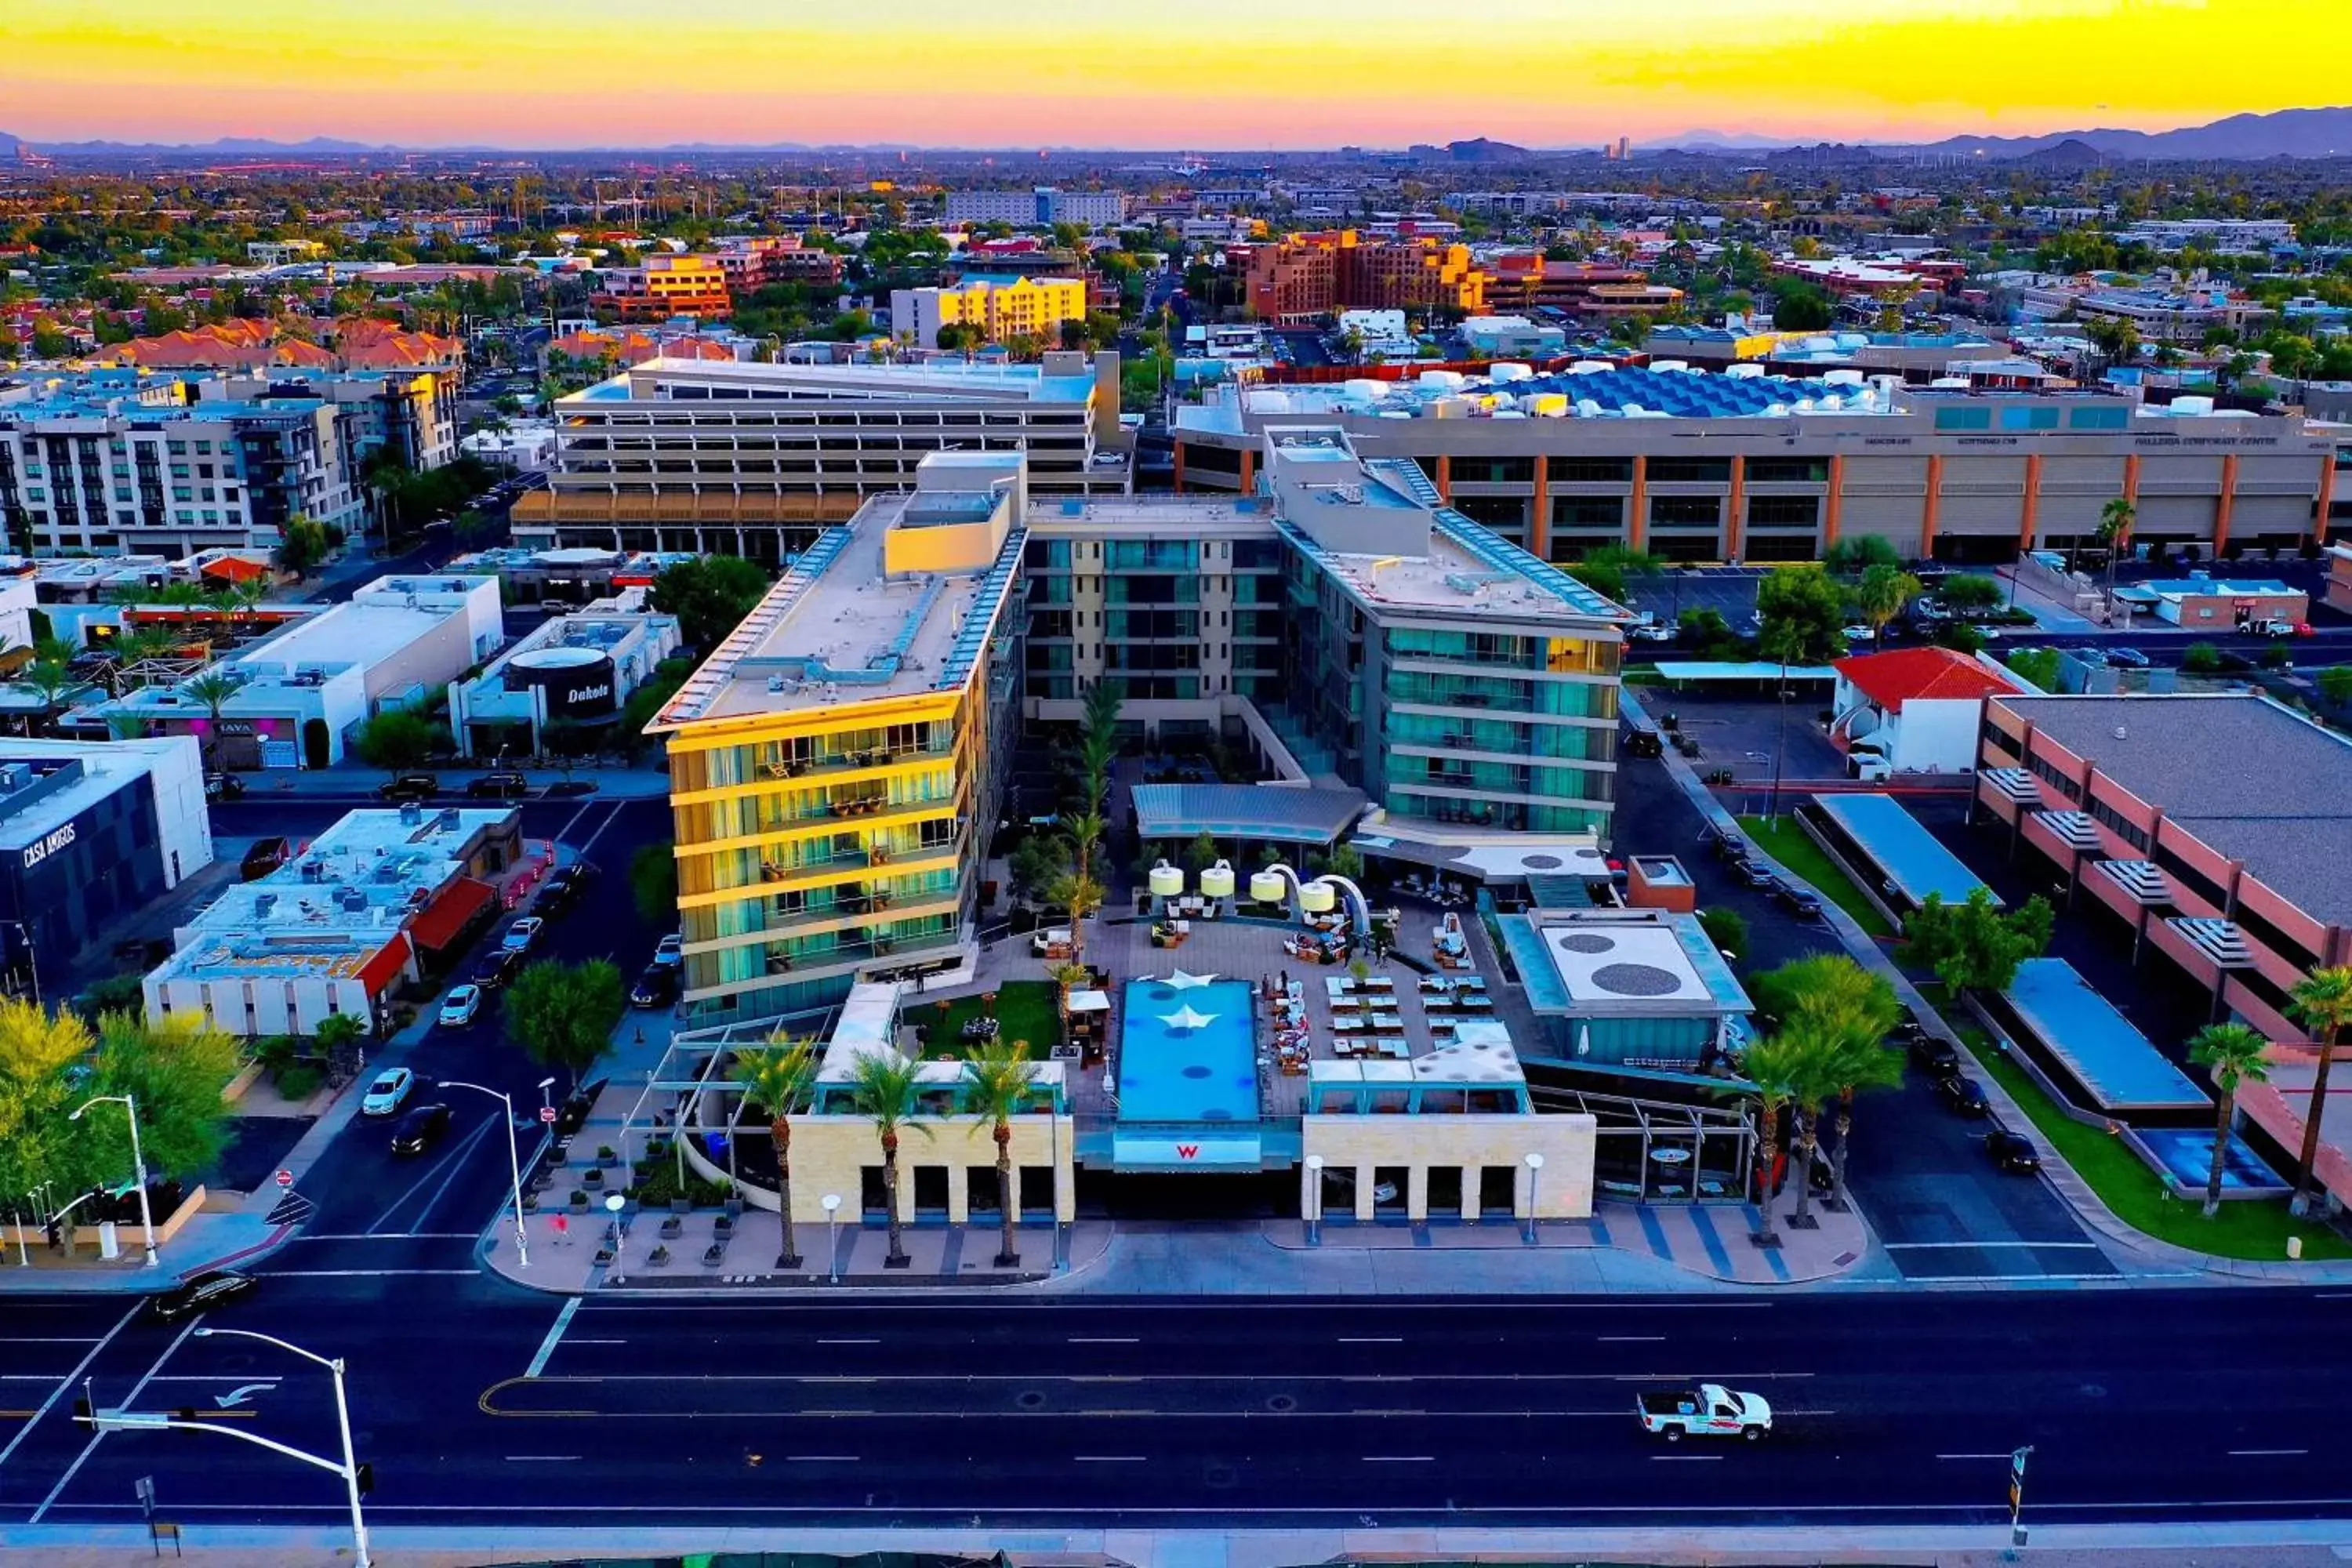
x: 1209, y: 75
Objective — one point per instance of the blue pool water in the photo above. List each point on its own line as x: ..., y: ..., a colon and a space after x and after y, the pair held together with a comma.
x: 1169, y: 1072
x: 2187, y: 1156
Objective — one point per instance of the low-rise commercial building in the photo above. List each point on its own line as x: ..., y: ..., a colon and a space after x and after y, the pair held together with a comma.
x: 666, y: 286
x: 1304, y: 277
x: 1041, y: 207
x: 89, y: 833
x: 364, y: 907
x: 576, y: 669
x: 2221, y: 605
x: 1912, y: 710
x: 302, y: 694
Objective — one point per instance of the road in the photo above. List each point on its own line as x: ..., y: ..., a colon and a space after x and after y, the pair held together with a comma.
x: 1900, y: 1409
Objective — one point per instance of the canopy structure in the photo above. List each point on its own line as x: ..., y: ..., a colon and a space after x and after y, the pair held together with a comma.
x: 1266, y: 813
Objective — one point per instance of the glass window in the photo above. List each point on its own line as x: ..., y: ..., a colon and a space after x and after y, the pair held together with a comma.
x: 1963, y: 419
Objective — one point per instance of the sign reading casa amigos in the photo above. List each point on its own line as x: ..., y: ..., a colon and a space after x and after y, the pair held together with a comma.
x: 41, y: 849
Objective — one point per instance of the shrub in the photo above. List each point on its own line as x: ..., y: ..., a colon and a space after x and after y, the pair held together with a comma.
x: 1725, y: 929
x: 298, y: 1081
x: 2275, y: 656
x: 2200, y: 658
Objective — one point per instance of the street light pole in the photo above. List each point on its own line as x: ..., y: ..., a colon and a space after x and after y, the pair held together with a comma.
x: 32, y: 959
x: 1535, y: 1174
x: 138, y: 1165
x: 514, y: 1163
x: 1314, y: 1200
x: 833, y: 1233
x: 350, y: 1468
x: 614, y: 1203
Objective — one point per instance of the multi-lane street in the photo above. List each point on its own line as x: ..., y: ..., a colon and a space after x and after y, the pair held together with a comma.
x: 479, y: 1404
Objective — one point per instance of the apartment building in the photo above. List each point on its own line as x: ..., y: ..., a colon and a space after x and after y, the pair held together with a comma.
x: 755, y: 459
x: 1751, y: 467
x: 119, y: 460
x: 1030, y: 308
x: 754, y: 262
x: 1041, y: 207
x: 666, y: 286
x: 837, y: 764
x: 1303, y: 277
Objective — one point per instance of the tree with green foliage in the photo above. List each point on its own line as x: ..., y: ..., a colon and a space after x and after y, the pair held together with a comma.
x: 52, y: 1063
x: 1851, y: 1010
x: 2037, y: 666
x: 1882, y: 594
x: 886, y: 1090
x: 2233, y: 1054
x: 999, y: 1084
x: 2113, y: 533
x: 1975, y: 945
x: 1800, y: 307
x: 1079, y: 887
x: 2335, y: 684
x: 398, y: 739
x: 1807, y: 602
x: 779, y: 1077
x: 1609, y: 569
x: 2322, y: 1002
x: 653, y: 884
x: 302, y: 544
x: 1035, y: 864
x: 1201, y: 854
x: 1727, y: 928
x: 1965, y: 592
x: 2200, y: 658
x: 1781, y: 1066
x: 213, y: 688
x: 709, y: 595
x: 564, y: 1013
x: 1855, y: 553
x: 645, y: 703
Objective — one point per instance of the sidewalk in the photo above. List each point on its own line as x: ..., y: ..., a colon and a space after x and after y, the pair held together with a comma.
x: 352, y: 779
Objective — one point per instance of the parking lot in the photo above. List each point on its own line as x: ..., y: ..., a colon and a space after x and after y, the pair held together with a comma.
x: 1741, y: 732
x: 1729, y: 591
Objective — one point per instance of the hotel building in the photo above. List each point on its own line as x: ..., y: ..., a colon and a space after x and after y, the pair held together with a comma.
x: 1031, y: 307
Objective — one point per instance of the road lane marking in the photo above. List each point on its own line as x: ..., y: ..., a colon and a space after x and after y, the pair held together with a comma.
x: 71, y: 1378
x: 833, y: 1341
x: 1992, y: 1245
x: 598, y: 1342
x: 128, y: 1400
x: 393, y: 1236
x: 554, y: 1337
x: 820, y: 1458
x: 542, y: 1459
x: 1976, y: 1456
x: 608, y: 822
x: 1701, y: 1458
x: 1632, y: 1340
x: 1109, y: 1458
x: 237, y: 1377
x: 1369, y: 1341
x: 75, y: 1340
x: 2266, y: 1453
x: 448, y: 1162
x: 1076, y: 1340
x: 456, y: 1168
x: 1400, y: 1458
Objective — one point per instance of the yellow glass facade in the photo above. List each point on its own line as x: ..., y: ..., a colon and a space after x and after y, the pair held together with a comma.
x: 816, y: 844
x: 1031, y: 307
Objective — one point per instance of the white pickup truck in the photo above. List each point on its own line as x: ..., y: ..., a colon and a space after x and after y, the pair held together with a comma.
x: 1710, y: 1410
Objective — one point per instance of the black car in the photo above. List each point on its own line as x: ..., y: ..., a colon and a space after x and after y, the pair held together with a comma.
x: 2011, y: 1152
x: 1729, y: 846
x: 1797, y: 901
x: 1935, y: 1057
x: 498, y: 786
x: 224, y: 786
x: 420, y: 1128
x: 497, y: 967
x: 1643, y: 742
x: 656, y: 987
x: 1962, y: 1095
x: 199, y: 1294
x: 409, y: 788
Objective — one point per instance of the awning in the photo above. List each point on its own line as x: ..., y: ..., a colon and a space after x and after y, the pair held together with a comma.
x: 384, y: 965
x: 1089, y: 1002
x: 235, y: 569
x: 444, y: 922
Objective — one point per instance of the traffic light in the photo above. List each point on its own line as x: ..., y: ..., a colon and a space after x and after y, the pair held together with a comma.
x: 366, y: 1480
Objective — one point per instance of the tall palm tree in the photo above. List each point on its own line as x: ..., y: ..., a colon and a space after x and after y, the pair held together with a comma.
x: 998, y: 1078
x: 213, y: 688
x: 779, y: 1076
x: 886, y: 1092
x: 2234, y: 1053
x: 1880, y: 596
x: 1078, y: 889
x: 2114, y: 531
x: 1816, y: 1080
x: 247, y: 594
x: 51, y: 680
x: 1776, y: 1065
x: 1857, y: 1062
x: 2321, y: 1004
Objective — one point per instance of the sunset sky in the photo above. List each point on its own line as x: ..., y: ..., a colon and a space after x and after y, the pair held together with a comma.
x: 1203, y: 74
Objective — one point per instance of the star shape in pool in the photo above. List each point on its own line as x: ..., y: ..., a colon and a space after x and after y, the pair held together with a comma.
x: 1185, y: 1019
x: 1179, y: 981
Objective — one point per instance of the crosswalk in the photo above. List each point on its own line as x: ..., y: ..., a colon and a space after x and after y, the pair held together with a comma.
x: 292, y: 1209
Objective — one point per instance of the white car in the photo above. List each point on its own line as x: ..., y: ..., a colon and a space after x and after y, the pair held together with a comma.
x: 522, y: 933
x: 1710, y: 1410
x: 461, y: 1006
x: 389, y: 1092
x: 1859, y: 633
x: 670, y: 949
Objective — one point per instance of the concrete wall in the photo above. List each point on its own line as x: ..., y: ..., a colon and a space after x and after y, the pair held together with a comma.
x: 278, y: 1005
x: 829, y: 1154
x: 1366, y: 1144
x: 1937, y: 736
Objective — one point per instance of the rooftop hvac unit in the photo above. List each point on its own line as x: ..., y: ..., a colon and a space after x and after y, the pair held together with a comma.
x: 411, y: 814
x: 312, y: 871
x: 262, y: 904
x: 1663, y: 365
x: 1745, y: 371
x: 449, y: 818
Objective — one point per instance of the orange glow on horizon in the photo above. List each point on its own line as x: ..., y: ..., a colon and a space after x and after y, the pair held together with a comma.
x: 1204, y: 74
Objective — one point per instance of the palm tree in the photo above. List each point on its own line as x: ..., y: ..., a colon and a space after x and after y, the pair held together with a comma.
x: 997, y: 1082
x: 1078, y: 888
x: 1817, y: 1078
x: 213, y: 688
x: 1857, y: 1063
x: 886, y: 1092
x: 1776, y: 1065
x: 2114, y: 528
x: 2234, y: 1053
x: 2321, y: 1004
x: 247, y: 594
x: 778, y: 1077
x: 1880, y: 596
x: 51, y: 681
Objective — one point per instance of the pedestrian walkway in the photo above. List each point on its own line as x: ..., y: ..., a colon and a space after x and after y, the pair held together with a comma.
x: 350, y: 780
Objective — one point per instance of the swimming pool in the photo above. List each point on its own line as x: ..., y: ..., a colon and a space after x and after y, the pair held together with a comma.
x: 2188, y: 1157
x: 1188, y: 1053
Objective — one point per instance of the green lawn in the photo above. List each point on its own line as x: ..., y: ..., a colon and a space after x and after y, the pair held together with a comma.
x: 2245, y: 1228
x: 1787, y: 845
x: 1025, y: 1008
x: 1640, y: 675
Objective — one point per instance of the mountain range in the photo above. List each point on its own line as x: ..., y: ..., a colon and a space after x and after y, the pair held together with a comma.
x: 2284, y: 133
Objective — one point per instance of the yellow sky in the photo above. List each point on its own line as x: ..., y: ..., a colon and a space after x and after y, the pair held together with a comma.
x: 1203, y: 73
